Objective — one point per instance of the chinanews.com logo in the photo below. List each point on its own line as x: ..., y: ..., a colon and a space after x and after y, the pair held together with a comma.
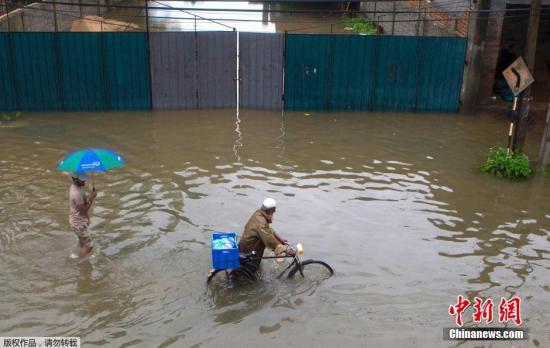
x: 509, y: 313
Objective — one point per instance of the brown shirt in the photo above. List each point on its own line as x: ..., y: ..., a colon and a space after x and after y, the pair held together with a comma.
x: 258, y: 235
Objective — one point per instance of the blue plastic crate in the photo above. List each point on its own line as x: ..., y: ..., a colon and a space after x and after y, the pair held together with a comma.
x: 225, y: 258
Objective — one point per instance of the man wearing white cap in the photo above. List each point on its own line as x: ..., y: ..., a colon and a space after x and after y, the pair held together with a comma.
x: 258, y: 235
x: 79, y: 219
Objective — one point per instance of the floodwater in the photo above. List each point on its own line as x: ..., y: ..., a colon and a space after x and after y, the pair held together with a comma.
x: 394, y: 202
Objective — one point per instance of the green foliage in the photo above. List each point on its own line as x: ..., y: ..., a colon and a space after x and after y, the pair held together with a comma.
x: 12, y: 116
x: 513, y: 165
x: 360, y: 24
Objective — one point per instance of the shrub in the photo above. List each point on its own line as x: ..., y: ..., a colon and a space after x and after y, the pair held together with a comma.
x: 360, y: 24
x: 513, y: 165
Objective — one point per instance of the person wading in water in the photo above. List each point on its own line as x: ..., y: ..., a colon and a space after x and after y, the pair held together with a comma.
x: 79, y: 220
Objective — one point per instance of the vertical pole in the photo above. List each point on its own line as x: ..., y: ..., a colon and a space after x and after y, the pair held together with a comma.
x: 238, y: 78
x: 456, y: 25
x: 284, y: 72
x: 149, y: 64
x: 23, y: 20
x: 418, y: 18
x: 7, y: 14
x: 374, y: 15
x: 544, y: 155
x: 80, y: 8
x: 147, y: 18
x: 424, y: 22
x: 531, y: 48
x: 512, y: 124
x: 55, y: 16
x: 393, y: 19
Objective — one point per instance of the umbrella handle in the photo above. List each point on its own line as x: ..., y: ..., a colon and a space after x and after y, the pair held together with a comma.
x: 93, y: 186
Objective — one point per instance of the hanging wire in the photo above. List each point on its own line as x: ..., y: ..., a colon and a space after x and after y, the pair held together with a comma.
x: 515, y: 13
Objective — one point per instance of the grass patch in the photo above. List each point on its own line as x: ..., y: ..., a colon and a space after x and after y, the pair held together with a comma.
x: 545, y: 171
x: 513, y: 165
x: 9, y: 117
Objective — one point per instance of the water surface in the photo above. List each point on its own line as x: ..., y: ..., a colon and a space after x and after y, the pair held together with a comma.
x: 394, y: 202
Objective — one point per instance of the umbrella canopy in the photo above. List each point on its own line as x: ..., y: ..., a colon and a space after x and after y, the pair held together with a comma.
x: 90, y: 160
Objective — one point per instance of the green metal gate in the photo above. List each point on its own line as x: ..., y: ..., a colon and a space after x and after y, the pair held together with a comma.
x: 382, y: 73
x: 74, y: 71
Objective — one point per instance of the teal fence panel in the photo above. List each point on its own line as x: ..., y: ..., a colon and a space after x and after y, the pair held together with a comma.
x: 36, y: 71
x: 441, y: 77
x: 352, y: 72
x: 396, y: 80
x: 80, y: 61
x: 306, y: 72
x: 8, y: 101
x: 126, y: 64
x: 382, y: 73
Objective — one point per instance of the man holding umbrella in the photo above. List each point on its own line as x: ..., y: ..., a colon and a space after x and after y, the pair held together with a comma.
x: 79, y: 164
x: 79, y: 218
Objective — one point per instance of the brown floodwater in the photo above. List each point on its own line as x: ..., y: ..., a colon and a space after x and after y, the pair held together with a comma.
x: 394, y: 202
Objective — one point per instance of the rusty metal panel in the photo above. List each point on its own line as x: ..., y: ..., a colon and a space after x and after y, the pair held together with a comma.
x: 261, y: 70
x: 173, y: 67
x: 216, y: 65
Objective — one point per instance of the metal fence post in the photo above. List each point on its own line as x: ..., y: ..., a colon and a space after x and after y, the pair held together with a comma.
x: 7, y: 14
x: 55, y: 16
x: 418, y: 18
x: 544, y: 155
x: 147, y: 17
x: 393, y: 19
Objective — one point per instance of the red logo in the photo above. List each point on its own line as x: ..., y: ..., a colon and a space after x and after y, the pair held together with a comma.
x: 508, y: 310
x: 484, y: 310
x: 457, y: 309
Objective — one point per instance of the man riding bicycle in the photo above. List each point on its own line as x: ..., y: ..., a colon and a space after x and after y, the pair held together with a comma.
x: 258, y: 235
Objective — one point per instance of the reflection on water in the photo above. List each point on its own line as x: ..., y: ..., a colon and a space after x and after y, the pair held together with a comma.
x: 401, y: 212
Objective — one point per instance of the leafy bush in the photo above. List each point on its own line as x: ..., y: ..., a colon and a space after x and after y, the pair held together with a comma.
x: 513, y: 165
x: 360, y: 24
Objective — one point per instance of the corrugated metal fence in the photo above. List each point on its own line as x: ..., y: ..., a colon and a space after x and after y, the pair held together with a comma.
x: 383, y: 73
x: 179, y: 70
x: 74, y: 71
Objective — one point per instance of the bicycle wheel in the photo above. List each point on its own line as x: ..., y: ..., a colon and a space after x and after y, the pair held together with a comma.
x: 223, y: 275
x: 312, y: 270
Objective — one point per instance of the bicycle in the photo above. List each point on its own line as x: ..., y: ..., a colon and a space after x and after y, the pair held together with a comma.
x: 315, y: 269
